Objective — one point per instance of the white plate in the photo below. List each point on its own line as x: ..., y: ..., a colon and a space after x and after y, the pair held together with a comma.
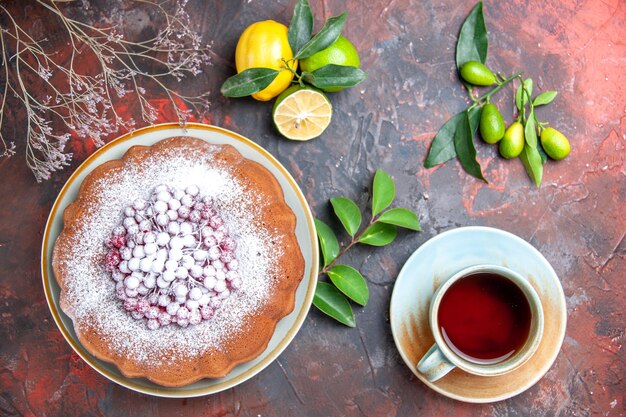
x: 436, y: 261
x: 305, y: 233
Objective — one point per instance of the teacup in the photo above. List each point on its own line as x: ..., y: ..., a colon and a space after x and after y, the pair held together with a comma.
x: 486, y: 319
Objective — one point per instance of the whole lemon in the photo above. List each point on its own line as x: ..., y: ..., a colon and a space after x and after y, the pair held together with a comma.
x: 512, y: 144
x: 477, y: 73
x: 554, y: 143
x: 265, y: 45
x: 340, y: 52
x: 491, y: 124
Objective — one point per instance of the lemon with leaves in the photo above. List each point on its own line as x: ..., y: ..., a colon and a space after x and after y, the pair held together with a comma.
x: 341, y: 52
x: 265, y: 45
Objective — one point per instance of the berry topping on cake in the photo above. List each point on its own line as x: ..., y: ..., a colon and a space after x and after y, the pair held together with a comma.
x: 172, y: 258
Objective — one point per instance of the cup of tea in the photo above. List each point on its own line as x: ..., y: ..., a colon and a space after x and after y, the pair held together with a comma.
x: 486, y: 319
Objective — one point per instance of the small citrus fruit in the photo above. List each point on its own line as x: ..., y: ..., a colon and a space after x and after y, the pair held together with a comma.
x: 341, y: 52
x: 554, y: 143
x: 477, y: 73
x: 302, y: 113
x: 265, y: 45
x: 512, y: 144
x: 491, y: 124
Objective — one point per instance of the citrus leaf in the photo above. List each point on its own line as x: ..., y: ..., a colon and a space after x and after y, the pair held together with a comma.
x: 542, y: 152
x: 544, y: 98
x: 531, y: 159
x: 465, y: 150
x: 301, y: 26
x: 379, y: 234
x: 331, y: 302
x: 348, y: 213
x: 528, y: 84
x: 248, y: 82
x: 442, y: 146
x: 383, y: 191
x: 332, y: 75
x: 324, y: 38
x: 530, y: 131
x: 474, y: 119
x: 401, y: 217
x: 472, y: 43
x: 350, y: 282
x: 518, y: 98
x: 328, y: 241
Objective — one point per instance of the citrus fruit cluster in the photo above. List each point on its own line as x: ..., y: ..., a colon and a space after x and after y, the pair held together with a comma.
x: 511, y: 141
x: 270, y: 57
x: 526, y: 138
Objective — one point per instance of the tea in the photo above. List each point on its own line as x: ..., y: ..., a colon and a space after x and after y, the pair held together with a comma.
x: 484, y: 318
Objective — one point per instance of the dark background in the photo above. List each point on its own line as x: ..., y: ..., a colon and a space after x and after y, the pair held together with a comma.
x: 577, y: 219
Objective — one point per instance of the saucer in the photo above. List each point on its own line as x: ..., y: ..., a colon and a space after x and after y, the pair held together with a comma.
x: 435, y: 262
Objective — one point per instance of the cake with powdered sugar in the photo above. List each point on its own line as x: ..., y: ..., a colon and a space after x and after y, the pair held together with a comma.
x: 176, y: 262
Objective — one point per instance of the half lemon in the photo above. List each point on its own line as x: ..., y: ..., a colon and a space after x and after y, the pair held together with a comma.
x: 302, y: 113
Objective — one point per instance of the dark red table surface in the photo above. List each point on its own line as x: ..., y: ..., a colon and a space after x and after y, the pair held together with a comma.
x: 577, y: 219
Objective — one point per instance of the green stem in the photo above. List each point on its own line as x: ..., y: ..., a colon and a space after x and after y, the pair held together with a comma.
x: 471, y: 94
x: 354, y: 241
x: 288, y: 68
x: 488, y: 95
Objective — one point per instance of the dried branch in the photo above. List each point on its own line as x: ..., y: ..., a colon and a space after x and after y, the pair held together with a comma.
x: 51, y: 89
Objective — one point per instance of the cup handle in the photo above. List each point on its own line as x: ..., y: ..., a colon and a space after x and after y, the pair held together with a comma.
x: 434, y: 365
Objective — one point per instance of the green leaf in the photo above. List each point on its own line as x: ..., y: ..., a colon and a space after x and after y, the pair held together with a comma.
x: 542, y: 153
x: 328, y: 241
x: 465, y: 150
x: 383, y: 191
x: 472, y: 43
x: 442, y: 146
x: 530, y: 130
x: 324, y: 38
x: 348, y: 213
x: 531, y: 159
x: 379, y: 234
x: 401, y: 217
x: 350, y: 282
x: 528, y: 84
x: 331, y: 302
x: 474, y: 119
x: 248, y: 82
x: 544, y: 98
x: 334, y: 76
x: 301, y: 26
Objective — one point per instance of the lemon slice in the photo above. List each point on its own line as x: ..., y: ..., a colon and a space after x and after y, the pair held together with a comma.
x: 302, y: 113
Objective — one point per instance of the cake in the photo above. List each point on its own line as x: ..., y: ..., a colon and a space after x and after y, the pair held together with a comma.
x: 176, y: 261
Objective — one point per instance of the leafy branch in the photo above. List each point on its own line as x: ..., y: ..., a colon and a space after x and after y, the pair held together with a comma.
x: 347, y: 283
x: 55, y: 93
x: 456, y: 137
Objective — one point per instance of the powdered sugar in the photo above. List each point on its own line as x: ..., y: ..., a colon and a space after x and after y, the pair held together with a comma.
x: 90, y: 294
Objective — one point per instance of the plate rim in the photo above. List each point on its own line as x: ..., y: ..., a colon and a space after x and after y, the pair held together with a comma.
x: 535, y: 377
x: 180, y: 392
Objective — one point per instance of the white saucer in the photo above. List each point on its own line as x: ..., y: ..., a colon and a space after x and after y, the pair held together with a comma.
x: 437, y: 260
